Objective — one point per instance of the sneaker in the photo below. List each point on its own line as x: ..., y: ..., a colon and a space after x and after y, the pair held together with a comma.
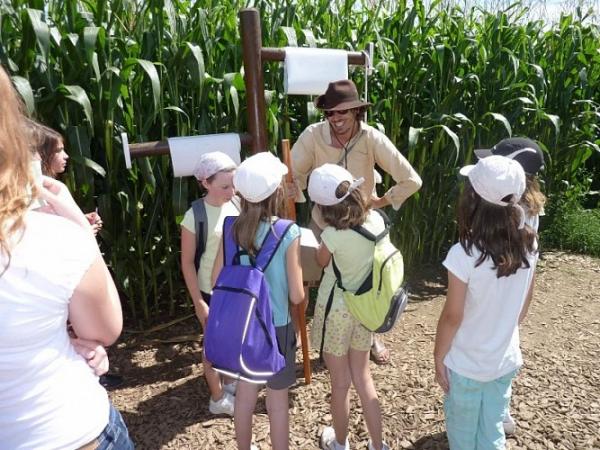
x: 253, y: 447
x: 222, y: 406
x: 230, y: 388
x: 509, y: 424
x: 328, y: 441
x: 385, y: 446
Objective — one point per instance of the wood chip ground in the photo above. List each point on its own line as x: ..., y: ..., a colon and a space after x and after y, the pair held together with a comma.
x: 556, y: 397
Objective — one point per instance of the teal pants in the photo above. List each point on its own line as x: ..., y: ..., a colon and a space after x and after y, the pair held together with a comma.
x: 474, y: 411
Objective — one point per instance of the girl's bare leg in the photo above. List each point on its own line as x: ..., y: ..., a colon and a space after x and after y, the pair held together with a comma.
x: 363, y: 383
x: 245, y: 402
x: 278, y: 411
x: 339, y: 374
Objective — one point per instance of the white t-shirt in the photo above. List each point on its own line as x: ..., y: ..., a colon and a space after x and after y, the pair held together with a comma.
x: 486, y: 345
x: 49, y: 397
x: 215, y: 216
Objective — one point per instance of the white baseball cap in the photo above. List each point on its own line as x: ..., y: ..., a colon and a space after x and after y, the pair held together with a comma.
x: 495, y: 178
x: 325, y: 180
x: 258, y: 176
x: 210, y: 163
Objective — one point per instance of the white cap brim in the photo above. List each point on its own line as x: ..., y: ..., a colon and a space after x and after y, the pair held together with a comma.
x: 465, y: 171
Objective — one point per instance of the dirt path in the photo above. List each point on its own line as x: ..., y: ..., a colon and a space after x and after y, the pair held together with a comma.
x: 556, y: 397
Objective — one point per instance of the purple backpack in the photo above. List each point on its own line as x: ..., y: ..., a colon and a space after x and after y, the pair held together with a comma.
x: 240, y: 339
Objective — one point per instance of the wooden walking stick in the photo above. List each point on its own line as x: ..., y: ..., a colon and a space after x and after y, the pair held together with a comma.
x: 299, y: 311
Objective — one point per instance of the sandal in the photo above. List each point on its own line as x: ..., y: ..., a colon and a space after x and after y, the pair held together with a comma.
x: 379, y: 352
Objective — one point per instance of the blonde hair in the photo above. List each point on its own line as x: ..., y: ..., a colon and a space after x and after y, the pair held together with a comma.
x: 15, y: 158
x: 533, y: 198
x: 246, y: 224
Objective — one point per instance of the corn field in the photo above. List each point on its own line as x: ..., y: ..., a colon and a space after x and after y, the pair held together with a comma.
x: 446, y: 80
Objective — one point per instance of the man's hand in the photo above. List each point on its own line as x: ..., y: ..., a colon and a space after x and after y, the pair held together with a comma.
x: 379, y: 202
x: 292, y: 190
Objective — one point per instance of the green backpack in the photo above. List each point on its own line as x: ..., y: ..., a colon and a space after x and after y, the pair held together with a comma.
x: 381, y: 298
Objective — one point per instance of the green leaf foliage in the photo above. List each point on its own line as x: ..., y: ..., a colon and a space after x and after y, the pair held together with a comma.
x: 446, y: 81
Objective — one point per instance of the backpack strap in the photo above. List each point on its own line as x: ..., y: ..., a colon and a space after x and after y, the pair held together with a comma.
x: 230, y: 247
x: 368, y: 282
x: 327, y: 311
x: 370, y: 236
x: 201, y: 226
x: 337, y: 273
x: 271, y: 242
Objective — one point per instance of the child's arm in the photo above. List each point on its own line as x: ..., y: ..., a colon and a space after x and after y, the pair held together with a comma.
x: 323, y: 255
x: 448, y: 324
x: 294, y: 272
x: 525, y: 308
x: 190, y: 275
x: 218, y: 265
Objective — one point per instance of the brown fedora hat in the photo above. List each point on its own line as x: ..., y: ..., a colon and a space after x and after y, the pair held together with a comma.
x: 340, y: 95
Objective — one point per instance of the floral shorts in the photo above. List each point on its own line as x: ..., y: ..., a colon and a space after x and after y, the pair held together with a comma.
x: 342, y: 331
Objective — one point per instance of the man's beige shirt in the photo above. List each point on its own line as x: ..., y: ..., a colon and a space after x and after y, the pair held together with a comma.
x: 368, y: 148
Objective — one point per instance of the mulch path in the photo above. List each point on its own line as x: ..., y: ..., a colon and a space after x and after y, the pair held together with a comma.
x: 556, y: 397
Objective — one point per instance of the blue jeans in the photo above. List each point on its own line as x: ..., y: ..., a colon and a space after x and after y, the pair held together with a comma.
x: 115, y: 436
x: 474, y: 411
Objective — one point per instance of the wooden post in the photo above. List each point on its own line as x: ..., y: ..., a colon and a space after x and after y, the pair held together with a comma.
x: 253, y: 78
x: 299, y: 311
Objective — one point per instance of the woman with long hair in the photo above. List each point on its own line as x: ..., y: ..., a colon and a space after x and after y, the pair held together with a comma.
x: 51, y: 271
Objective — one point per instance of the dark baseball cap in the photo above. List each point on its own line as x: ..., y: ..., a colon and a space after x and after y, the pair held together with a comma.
x: 525, y: 151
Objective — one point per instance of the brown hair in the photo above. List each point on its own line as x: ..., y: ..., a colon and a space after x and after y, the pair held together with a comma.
x: 246, y: 225
x: 350, y: 212
x: 48, y: 142
x: 15, y: 171
x: 361, y: 114
x: 532, y: 198
x: 494, y: 231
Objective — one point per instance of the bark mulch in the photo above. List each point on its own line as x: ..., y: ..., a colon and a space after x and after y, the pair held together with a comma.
x: 556, y: 396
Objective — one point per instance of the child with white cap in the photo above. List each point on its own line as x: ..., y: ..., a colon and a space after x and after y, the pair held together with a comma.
x: 345, y: 342
x: 259, y: 181
x: 531, y: 157
x: 200, y: 238
x: 490, y: 283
